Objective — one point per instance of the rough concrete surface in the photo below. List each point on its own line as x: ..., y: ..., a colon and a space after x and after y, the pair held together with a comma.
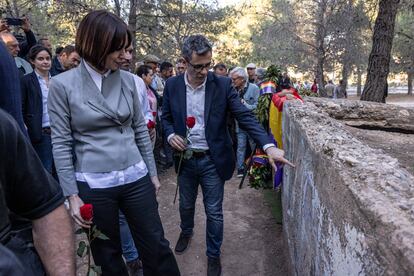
x: 348, y: 208
x: 253, y: 242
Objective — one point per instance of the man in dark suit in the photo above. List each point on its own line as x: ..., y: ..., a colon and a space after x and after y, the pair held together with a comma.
x: 208, y: 98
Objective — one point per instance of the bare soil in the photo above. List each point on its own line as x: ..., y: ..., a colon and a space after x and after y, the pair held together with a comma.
x: 253, y: 242
x: 398, y: 99
x: 397, y: 145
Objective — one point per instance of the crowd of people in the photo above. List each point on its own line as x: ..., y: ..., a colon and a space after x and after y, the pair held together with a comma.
x: 102, y: 132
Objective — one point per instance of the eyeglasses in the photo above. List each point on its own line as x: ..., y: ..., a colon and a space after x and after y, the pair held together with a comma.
x: 236, y: 78
x: 251, y: 68
x: 200, y: 67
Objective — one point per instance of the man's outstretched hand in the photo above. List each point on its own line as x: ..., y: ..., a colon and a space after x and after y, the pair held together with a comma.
x: 277, y: 156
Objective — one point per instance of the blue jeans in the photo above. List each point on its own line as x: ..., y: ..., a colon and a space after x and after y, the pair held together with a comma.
x: 44, y: 151
x: 202, y: 171
x: 129, y: 251
x: 242, y: 139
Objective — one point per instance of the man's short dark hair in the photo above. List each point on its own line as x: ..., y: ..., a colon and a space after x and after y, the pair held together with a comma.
x: 143, y: 70
x: 40, y: 40
x: 99, y: 34
x: 197, y: 44
x: 58, y: 50
x: 180, y: 60
x: 69, y: 49
x: 220, y: 66
x: 165, y: 66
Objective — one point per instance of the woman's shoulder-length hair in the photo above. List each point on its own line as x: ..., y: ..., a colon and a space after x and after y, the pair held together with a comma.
x: 99, y: 34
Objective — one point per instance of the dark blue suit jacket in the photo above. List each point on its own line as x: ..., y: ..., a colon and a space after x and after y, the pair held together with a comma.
x: 10, y: 99
x: 220, y: 99
x: 32, y: 106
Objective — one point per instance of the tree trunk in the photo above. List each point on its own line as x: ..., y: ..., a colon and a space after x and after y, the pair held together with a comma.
x: 132, y: 24
x: 410, y: 81
x: 117, y: 7
x: 345, y: 74
x: 320, y: 48
x: 379, y: 59
x: 359, y: 80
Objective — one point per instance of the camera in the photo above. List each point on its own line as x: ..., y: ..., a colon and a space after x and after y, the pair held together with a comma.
x: 14, y: 21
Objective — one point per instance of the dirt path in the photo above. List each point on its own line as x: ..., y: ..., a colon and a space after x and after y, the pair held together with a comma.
x: 252, y: 243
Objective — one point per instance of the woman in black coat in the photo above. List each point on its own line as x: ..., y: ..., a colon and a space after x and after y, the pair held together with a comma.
x: 35, y: 90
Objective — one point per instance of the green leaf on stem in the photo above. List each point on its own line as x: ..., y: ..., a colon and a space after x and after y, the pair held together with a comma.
x: 92, y: 272
x: 95, y: 233
x: 102, y: 236
x: 188, y: 154
x: 81, y: 249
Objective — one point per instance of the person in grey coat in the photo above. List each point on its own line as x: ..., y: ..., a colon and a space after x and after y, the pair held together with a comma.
x: 102, y: 148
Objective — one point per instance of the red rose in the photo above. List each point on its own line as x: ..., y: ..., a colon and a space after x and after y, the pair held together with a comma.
x: 150, y: 124
x: 86, y: 211
x: 190, y: 122
x: 154, y: 113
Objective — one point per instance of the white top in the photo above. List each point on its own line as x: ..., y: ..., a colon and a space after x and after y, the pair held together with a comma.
x: 143, y: 98
x: 196, y: 98
x: 45, y: 92
x: 113, y: 178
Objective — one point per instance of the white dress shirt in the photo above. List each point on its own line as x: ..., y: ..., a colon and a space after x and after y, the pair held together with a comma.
x: 113, y: 178
x: 45, y: 92
x: 143, y: 98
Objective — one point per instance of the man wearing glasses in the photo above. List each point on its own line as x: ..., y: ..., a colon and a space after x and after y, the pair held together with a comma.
x: 249, y: 96
x: 208, y: 98
x: 251, y: 71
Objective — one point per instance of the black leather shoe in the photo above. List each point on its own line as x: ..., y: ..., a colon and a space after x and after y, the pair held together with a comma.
x: 182, y: 244
x: 214, y: 267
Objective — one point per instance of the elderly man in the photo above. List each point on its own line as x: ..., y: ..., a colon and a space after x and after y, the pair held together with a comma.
x: 209, y: 99
x: 251, y: 72
x: 249, y: 96
x: 67, y: 59
x: 14, y: 48
x: 29, y: 42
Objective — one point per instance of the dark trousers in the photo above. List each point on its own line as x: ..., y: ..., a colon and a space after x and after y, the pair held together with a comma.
x: 9, y: 264
x: 202, y: 171
x: 138, y: 202
x: 44, y: 150
x: 21, y: 244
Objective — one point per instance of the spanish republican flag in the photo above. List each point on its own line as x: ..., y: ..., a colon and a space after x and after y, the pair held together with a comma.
x: 275, y: 112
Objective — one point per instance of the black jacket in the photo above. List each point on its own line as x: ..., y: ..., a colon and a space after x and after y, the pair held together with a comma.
x: 56, y: 67
x: 32, y: 106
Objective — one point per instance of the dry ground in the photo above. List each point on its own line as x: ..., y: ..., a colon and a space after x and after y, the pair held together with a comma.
x: 253, y: 243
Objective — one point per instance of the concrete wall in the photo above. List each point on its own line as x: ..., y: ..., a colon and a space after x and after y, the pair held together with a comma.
x: 348, y: 209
